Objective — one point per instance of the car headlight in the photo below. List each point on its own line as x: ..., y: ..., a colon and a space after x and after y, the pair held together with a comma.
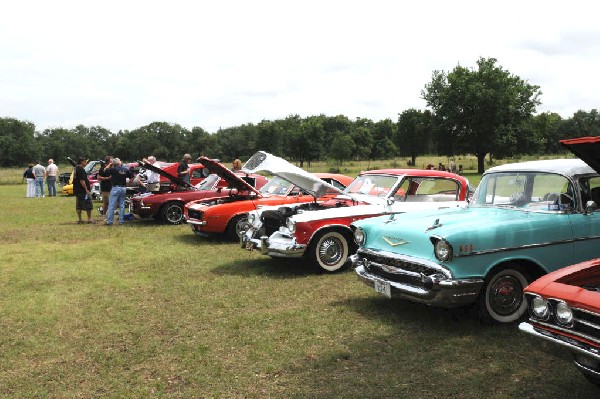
x: 251, y: 218
x: 564, y: 314
x: 443, y: 250
x: 359, y: 236
x: 539, y: 308
x: 291, y: 225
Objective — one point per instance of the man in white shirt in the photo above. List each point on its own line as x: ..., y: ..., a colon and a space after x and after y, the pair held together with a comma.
x: 152, y: 178
x: 51, y: 174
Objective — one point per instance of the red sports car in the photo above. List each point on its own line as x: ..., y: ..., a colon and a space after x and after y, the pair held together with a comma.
x: 168, y: 206
x: 229, y: 215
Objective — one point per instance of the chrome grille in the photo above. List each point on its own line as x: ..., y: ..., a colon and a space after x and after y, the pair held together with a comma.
x: 394, y: 269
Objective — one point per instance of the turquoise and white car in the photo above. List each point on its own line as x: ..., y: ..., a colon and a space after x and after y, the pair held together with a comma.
x: 524, y: 220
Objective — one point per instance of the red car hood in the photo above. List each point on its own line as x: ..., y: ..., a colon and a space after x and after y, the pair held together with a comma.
x: 224, y: 173
x: 263, y: 161
x: 587, y: 149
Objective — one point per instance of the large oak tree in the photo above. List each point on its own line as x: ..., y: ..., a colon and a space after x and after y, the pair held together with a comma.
x: 480, y: 109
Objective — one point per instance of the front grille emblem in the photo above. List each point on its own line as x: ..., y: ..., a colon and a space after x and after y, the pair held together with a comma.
x: 394, y: 241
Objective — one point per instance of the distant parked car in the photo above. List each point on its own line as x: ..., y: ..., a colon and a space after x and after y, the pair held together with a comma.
x: 229, y: 214
x: 321, y: 233
x: 168, y: 206
x: 524, y: 220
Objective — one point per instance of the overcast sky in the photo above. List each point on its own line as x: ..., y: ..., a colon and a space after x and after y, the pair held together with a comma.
x: 124, y: 64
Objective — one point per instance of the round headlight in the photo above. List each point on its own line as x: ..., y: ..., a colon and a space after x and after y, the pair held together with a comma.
x: 290, y: 224
x: 564, y: 314
x: 443, y: 251
x: 359, y: 236
x: 539, y: 308
x: 251, y: 218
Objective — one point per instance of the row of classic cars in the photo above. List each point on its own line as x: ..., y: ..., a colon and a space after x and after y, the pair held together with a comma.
x: 429, y: 237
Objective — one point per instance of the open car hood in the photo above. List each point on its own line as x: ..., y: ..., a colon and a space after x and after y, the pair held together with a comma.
x: 587, y: 149
x: 224, y: 173
x: 174, y: 179
x: 263, y: 161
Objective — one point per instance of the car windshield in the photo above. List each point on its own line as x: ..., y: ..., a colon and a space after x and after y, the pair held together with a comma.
x: 376, y: 185
x: 531, y: 191
x: 209, y: 183
x: 277, y: 186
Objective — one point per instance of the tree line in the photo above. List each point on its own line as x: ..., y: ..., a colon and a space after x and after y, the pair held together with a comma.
x: 482, y: 111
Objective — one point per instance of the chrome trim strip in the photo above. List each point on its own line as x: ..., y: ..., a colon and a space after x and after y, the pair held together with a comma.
x: 571, y: 344
x: 571, y: 331
x: 408, y: 259
x: 528, y: 246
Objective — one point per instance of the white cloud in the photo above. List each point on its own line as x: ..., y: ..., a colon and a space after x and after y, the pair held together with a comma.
x: 125, y: 64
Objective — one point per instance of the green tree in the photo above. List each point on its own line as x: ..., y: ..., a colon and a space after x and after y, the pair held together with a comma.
x: 478, y: 106
x: 413, y: 133
x: 341, y: 147
x: 383, y: 145
x: 18, y: 144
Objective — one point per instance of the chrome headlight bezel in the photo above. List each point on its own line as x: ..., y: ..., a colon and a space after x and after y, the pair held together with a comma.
x: 290, y: 224
x: 442, y: 250
x: 563, y: 313
x: 539, y: 308
x: 360, y: 237
x: 251, y: 218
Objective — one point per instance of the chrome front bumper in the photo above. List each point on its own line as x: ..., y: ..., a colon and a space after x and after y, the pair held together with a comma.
x: 278, y: 245
x: 443, y: 293
x: 578, y: 348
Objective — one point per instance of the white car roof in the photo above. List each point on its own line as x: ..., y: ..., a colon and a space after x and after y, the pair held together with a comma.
x: 567, y: 167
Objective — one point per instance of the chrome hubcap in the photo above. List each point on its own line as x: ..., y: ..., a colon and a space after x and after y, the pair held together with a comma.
x: 330, y: 251
x: 506, y: 295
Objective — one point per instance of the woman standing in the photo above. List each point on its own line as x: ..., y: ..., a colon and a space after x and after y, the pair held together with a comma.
x: 30, y: 178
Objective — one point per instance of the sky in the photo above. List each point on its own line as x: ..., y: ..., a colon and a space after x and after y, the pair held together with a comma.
x: 217, y: 64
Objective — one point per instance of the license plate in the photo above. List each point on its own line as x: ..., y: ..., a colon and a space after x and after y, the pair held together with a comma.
x: 383, y: 287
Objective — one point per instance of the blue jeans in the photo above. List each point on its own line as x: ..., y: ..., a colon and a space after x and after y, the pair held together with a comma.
x: 51, y: 182
x: 39, y: 186
x: 117, y: 196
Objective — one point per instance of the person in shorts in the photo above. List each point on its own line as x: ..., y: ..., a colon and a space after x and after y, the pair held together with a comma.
x: 81, y: 190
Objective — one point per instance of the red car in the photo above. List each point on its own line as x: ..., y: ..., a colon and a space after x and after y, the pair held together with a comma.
x: 564, y: 306
x: 228, y: 215
x: 322, y: 233
x: 168, y: 206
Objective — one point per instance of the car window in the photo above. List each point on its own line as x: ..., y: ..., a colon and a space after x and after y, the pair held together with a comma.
x: 276, y: 185
x: 534, y: 191
x: 376, y: 185
x: 429, y: 189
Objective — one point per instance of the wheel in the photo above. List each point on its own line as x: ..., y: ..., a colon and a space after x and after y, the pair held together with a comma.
x: 172, y: 213
x: 329, y: 251
x: 237, y: 226
x: 502, y: 298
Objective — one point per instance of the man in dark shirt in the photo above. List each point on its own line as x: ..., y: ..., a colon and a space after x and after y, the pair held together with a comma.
x: 105, y: 185
x: 183, y: 170
x: 81, y: 190
x: 118, y: 175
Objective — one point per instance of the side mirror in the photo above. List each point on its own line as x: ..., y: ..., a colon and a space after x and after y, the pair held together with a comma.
x: 590, y: 207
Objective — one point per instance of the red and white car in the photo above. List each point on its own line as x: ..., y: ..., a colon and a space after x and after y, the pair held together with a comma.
x: 321, y: 232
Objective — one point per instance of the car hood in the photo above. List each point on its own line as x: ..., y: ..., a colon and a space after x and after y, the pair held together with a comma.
x: 224, y: 173
x: 470, y: 230
x: 587, y: 149
x: 165, y: 174
x: 263, y: 161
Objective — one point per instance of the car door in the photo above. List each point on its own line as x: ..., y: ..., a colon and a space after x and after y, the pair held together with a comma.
x: 586, y: 226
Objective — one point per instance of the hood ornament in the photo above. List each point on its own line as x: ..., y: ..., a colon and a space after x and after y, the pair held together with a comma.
x: 435, y: 225
x: 394, y: 241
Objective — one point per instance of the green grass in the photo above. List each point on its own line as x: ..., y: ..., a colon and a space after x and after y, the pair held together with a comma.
x: 147, y: 310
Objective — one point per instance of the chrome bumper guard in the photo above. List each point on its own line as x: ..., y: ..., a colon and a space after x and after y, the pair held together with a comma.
x: 436, y: 291
x: 277, y: 245
x: 577, y: 348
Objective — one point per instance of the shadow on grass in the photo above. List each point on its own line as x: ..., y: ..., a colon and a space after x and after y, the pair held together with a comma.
x: 267, y: 267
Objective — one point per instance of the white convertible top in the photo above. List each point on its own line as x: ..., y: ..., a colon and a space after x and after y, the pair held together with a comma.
x: 567, y: 167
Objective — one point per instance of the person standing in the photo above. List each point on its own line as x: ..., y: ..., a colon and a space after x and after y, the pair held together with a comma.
x: 105, y: 185
x: 81, y: 190
x: 237, y: 165
x: 39, y: 171
x: 30, y: 178
x: 51, y: 174
x: 118, y: 179
x: 183, y: 170
x: 152, y: 178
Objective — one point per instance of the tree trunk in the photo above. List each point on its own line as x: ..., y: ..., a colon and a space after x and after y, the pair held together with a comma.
x: 413, y: 160
x: 481, y: 163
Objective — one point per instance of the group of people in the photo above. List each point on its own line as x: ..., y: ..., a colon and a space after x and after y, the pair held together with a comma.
x: 35, y: 176
x: 451, y: 168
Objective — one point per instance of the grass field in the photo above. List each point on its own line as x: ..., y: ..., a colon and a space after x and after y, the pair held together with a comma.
x: 147, y: 310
